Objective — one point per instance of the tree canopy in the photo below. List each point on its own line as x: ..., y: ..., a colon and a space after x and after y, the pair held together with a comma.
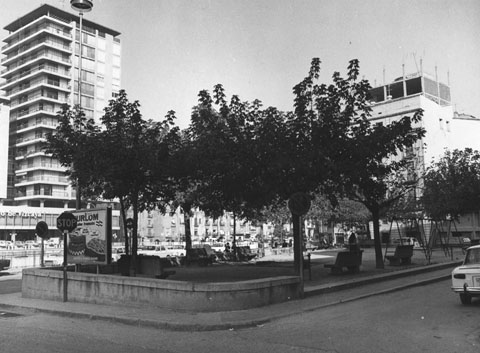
x: 452, y: 184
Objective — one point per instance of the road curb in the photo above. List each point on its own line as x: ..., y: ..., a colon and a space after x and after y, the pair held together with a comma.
x: 232, y: 324
x: 309, y: 292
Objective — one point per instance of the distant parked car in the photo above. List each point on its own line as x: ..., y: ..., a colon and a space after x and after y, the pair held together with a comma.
x: 19, y: 245
x: 30, y: 244
x: 466, y: 278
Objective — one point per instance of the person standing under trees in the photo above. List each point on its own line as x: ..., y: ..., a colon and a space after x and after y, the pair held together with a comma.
x: 352, y: 241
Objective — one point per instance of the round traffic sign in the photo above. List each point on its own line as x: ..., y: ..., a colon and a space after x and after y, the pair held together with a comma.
x: 42, y: 229
x: 66, y: 222
x: 299, y: 203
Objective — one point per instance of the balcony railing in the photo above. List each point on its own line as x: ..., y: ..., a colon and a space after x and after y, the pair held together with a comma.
x: 35, y: 43
x: 52, y: 179
x: 40, y: 165
x: 43, y: 122
x: 28, y: 153
x: 59, y: 194
x: 39, y: 68
x: 30, y: 138
x: 31, y: 110
x: 32, y: 97
x: 41, y: 54
x: 36, y: 83
x: 34, y: 31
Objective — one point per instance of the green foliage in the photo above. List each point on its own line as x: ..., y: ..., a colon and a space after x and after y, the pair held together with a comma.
x: 343, y: 151
x: 73, y: 143
x: 227, y: 151
x: 125, y: 159
x: 452, y: 185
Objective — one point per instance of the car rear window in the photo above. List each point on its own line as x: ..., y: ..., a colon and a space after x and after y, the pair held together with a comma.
x: 473, y: 256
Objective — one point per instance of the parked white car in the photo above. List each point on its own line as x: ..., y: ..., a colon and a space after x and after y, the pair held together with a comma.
x: 466, y: 278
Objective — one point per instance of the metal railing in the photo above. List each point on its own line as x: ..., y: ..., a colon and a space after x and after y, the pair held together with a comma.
x: 39, y: 68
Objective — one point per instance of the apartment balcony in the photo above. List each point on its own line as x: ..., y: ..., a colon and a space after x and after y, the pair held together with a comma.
x: 53, y: 180
x: 21, y: 168
x: 31, y: 59
x: 43, y: 82
x: 26, y: 141
x: 35, y: 45
x: 32, y: 194
x: 19, y: 103
x: 24, y: 35
x: 21, y: 154
x: 28, y: 75
x: 31, y: 112
x: 36, y: 84
x: 29, y: 126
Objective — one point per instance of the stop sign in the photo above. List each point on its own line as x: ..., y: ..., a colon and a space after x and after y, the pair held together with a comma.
x: 66, y: 222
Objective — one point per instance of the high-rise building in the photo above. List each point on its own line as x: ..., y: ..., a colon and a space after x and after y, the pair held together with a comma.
x: 4, y: 158
x: 40, y: 59
x: 40, y: 75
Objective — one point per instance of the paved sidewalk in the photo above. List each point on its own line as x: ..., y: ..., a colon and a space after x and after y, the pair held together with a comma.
x: 322, y: 290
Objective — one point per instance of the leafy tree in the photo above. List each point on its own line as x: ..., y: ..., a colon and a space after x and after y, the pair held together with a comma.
x: 351, y: 155
x: 125, y: 159
x: 452, y: 185
x: 134, y: 153
x: 226, y: 145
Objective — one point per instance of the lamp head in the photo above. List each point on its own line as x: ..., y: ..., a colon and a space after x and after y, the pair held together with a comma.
x: 82, y: 5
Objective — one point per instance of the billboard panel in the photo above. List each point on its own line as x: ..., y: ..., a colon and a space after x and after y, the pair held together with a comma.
x: 91, y: 241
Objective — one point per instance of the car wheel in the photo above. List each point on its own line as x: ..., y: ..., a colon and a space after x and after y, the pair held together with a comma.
x: 466, y: 299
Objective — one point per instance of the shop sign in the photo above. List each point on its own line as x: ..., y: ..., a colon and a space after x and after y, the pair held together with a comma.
x: 22, y: 214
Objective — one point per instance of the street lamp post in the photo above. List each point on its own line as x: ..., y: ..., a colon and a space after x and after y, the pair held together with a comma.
x: 81, y: 6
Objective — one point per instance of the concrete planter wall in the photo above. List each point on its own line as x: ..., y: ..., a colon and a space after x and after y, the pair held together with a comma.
x: 136, y: 291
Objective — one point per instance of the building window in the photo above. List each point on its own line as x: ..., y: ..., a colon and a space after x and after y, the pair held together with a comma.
x: 116, y: 49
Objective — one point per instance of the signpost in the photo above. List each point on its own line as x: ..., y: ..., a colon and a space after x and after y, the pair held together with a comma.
x: 129, y: 222
x: 299, y: 204
x: 128, y: 238
x: 66, y: 223
x: 42, y: 231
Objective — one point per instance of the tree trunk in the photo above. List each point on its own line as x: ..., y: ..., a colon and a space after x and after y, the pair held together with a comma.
x: 234, y: 244
x: 133, y: 258
x: 124, y: 221
x: 186, y: 220
x: 376, y: 236
x: 297, y: 241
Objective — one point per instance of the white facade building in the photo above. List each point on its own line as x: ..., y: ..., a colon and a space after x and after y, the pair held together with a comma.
x: 40, y: 59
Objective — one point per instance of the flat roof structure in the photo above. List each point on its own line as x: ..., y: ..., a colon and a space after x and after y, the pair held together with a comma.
x: 54, y: 12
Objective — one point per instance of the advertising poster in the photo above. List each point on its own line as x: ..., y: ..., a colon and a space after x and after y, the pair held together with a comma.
x: 91, y: 241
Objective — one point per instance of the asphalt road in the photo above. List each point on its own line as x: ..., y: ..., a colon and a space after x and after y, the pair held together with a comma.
x: 10, y: 285
x: 421, y: 319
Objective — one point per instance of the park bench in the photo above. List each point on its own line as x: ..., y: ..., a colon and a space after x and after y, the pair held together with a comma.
x: 349, y: 259
x: 198, y: 256
x: 402, y: 255
x: 4, y: 263
x: 147, y: 265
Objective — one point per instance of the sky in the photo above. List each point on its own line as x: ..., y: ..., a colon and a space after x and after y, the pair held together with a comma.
x: 172, y: 49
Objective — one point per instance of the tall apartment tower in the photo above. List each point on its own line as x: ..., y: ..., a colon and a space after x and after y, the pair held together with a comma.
x: 40, y: 74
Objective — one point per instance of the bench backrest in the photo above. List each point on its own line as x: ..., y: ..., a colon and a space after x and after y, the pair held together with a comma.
x: 197, y: 253
x: 347, y: 258
x: 403, y: 251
